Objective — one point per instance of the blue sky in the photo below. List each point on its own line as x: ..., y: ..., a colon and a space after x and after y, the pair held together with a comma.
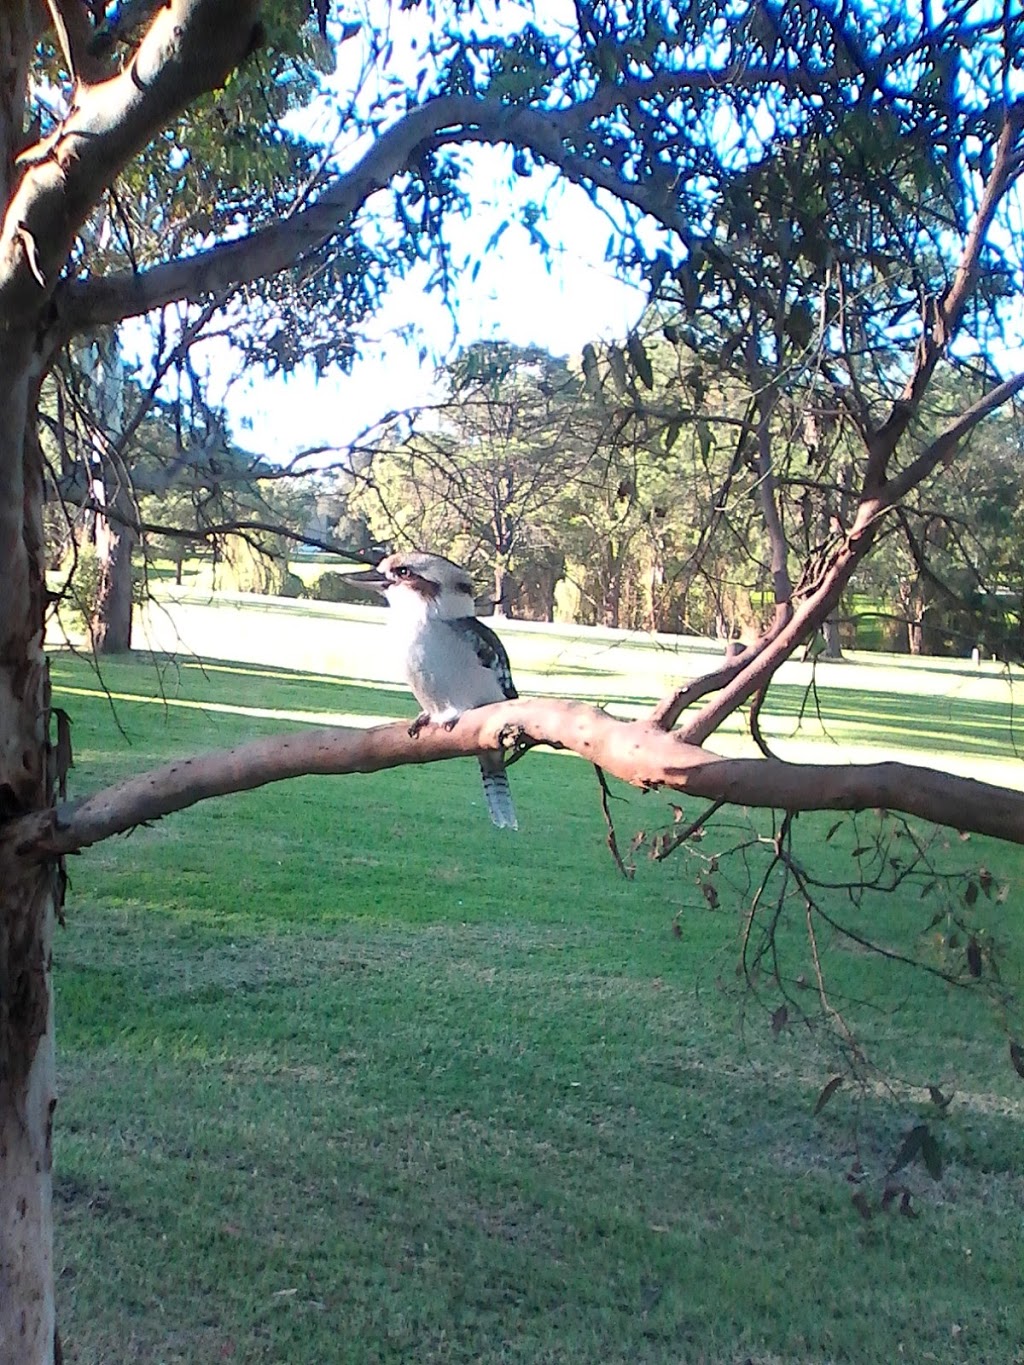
x: 510, y: 293
x: 516, y: 296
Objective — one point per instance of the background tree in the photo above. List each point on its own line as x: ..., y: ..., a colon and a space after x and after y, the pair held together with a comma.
x: 946, y: 575
x: 477, y: 473
x: 907, y: 123
x: 229, y: 161
x: 666, y: 542
x: 164, y: 482
x: 543, y: 474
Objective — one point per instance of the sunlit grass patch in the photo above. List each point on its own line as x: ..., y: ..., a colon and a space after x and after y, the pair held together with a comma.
x: 347, y: 1075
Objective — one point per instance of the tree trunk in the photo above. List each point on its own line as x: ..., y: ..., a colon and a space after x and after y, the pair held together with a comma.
x: 547, y: 579
x: 610, y: 604
x: 500, y: 607
x: 27, y: 1101
x: 48, y: 192
x: 833, y: 643
x: 914, y: 606
x: 102, y: 366
x: 611, y: 593
x: 29, y: 895
x: 112, y: 621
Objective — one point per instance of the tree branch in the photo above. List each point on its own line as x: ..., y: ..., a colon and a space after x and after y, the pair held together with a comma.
x: 672, y: 706
x: 84, y: 304
x: 944, y: 314
x: 944, y: 446
x: 759, y: 669
x: 447, y: 120
x: 75, y: 35
x: 190, y: 47
x: 756, y: 669
x: 634, y: 751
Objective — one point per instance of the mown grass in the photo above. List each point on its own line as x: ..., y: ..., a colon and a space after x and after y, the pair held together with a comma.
x: 346, y: 1075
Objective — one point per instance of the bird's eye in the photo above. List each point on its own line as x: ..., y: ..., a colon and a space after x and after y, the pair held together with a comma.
x: 402, y: 571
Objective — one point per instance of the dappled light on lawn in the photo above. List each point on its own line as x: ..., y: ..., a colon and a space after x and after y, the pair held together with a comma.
x: 474, y: 1062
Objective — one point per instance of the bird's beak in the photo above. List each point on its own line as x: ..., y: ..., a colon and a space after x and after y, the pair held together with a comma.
x: 369, y: 578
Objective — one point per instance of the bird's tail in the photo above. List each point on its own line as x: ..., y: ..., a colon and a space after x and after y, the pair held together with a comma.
x: 497, y: 791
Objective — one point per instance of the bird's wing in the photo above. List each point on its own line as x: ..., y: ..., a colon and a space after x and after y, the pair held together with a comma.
x: 489, y: 650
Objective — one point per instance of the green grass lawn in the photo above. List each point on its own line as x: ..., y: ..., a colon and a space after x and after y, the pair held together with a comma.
x: 347, y: 1075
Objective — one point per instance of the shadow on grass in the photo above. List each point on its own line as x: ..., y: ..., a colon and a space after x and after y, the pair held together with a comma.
x: 171, y: 680
x: 433, y: 1145
x: 929, y: 723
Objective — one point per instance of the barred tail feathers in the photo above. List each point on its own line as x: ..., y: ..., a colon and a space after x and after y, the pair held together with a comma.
x: 498, y: 792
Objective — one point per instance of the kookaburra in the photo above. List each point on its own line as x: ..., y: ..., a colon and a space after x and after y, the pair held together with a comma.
x: 453, y: 662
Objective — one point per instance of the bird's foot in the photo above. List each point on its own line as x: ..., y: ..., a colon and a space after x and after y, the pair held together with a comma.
x: 418, y: 724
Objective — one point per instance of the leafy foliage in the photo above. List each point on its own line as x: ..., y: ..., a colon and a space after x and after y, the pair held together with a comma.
x: 624, y: 491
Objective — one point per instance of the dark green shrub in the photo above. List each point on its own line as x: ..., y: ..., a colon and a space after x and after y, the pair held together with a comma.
x: 291, y: 586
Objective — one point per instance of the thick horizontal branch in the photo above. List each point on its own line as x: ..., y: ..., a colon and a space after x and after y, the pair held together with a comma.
x: 637, y: 752
x: 87, y: 303
x: 442, y: 120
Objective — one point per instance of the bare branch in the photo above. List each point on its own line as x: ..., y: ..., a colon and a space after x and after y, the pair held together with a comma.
x: 612, y: 840
x: 88, y: 303
x: 819, y: 600
x: 669, y: 844
x: 944, y: 314
x: 944, y: 446
x: 634, y: 751
x: 672, y: 706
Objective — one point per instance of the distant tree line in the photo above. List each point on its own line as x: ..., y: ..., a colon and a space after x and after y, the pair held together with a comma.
x: 622, y: 489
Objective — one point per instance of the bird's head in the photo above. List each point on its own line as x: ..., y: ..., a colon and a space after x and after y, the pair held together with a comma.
x: 423, y: 584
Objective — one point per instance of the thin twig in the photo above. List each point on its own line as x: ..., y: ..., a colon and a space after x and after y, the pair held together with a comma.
x: 613, y: 843
x: 682, y: 837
